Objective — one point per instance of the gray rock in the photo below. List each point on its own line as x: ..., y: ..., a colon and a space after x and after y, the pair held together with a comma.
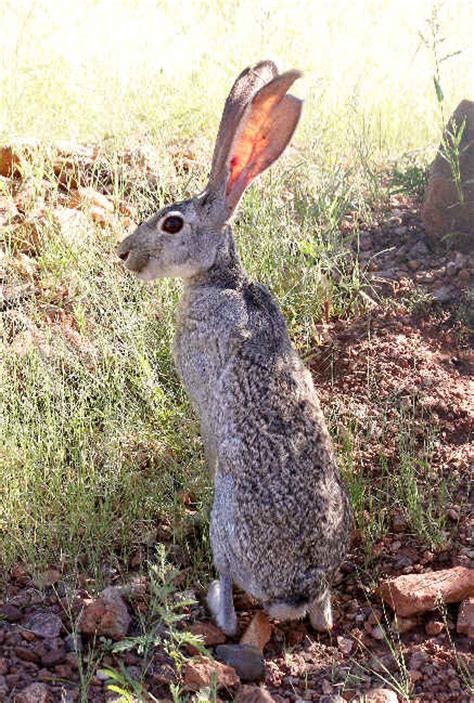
x: 10, y: 612
x: 442, y: 294
x: 43, y: 624
x: 365, y: 242
x: 452, y: 268
x: 253, y: 694
x: 460, y: 259
x: 388, y: 274
x: 246, y: 659
x: 419, y: 249
x: 74, y: 643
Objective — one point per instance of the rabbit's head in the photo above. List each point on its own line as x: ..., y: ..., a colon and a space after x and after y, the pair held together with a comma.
x: 183, y: 239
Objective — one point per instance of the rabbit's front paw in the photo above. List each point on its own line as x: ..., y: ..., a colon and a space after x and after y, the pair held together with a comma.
x: 227, y: 623
x: 214, y: 597
x: 219, y: 601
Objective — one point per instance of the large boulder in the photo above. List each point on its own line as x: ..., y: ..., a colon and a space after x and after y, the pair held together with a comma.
x: 444, y: 212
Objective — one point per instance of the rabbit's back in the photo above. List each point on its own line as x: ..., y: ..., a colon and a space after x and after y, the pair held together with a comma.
x: 280, y: 518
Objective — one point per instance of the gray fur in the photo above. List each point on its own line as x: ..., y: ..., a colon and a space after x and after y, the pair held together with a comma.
x: 281, y: 518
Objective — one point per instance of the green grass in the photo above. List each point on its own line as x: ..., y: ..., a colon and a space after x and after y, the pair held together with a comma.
x: 97, y: 439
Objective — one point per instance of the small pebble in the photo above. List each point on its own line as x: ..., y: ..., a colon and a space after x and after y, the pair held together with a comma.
x: 434, y: 628
x: 247, y: 660
x: 378, y: 633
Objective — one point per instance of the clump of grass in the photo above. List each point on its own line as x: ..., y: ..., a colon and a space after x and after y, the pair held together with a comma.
x: 97, y: 437
x: 159, y: 628
x: 409, y: 177
x: 420, y: 495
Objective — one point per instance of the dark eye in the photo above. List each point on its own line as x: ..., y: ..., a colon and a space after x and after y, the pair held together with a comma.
x: 172, y: 224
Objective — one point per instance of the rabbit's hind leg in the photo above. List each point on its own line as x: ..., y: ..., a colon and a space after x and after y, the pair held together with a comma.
x: 320, y: 612
x: 221, y: 604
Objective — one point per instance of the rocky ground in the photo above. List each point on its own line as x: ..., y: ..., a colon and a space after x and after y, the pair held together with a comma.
x: 408, y: 352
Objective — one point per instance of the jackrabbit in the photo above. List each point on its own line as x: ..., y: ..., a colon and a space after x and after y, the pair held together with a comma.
x: 280, y: 520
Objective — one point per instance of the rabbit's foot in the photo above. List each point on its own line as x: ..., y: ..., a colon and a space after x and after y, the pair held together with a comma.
x: 221, y: 605
x: 320, y: 613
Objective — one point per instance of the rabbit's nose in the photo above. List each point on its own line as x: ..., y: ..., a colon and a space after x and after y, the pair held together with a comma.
x: 123, y: 249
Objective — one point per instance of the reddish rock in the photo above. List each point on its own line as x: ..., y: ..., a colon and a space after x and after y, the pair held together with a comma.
x: 10, y: 612
x: 381, y: 695
x: 259, y: 632
x: 64, y: 671
x: 106, y: 615
x: 54, y: 656
x: 27, y: 655
x: 28, y: 636
x: 201, y: 672
x: 14, y: 680
x: 97, y: 205
x: 72, y: 660
x: 378, y: 633
x: 19, y: 575
x: 344, y: 644
x: 465, y: 623
x: 444, y: 212
x: 402, y: 625
x: 12, y: 155
x: 434, y: 628
x: 8, y: 161
x: 253, y: 694
x: 34, y: 693
x: 416, y: 593
x: 91, y: 197
x: 211, y: 635
x: 3, y: 665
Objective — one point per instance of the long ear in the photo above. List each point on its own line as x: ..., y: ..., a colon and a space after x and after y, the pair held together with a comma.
x: 258, y: 122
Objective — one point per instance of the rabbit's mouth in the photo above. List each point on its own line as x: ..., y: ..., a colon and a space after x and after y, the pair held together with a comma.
x: 135, y: 261
x: 148, y: 267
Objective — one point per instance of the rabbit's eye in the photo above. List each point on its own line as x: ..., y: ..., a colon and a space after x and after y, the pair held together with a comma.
x: 172, y: 224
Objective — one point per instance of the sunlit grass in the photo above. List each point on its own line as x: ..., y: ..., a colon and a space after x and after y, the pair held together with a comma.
x: 86, y: 69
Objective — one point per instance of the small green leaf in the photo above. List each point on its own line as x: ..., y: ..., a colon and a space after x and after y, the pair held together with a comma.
x: 117, y: 689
